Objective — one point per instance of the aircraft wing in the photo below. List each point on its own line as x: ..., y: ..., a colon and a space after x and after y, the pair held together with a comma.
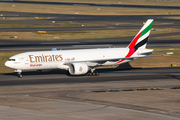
x: 112, y: 59
x: 104, y: 60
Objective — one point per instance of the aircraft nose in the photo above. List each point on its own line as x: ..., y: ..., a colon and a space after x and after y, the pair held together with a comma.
x: 7, y: 64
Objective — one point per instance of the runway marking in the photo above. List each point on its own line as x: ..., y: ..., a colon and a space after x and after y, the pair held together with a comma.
x: 157, y: 114
x: 61, y: 43
x: 167, y: 116
x: 20, y: 49
x: 104, y: 106
x: 98, y: 108
x: 68, y: 95
x: 103, y: 45
x: 29, y: 91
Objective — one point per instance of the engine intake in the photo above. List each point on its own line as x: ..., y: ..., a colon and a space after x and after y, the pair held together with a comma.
x: 78, y: 68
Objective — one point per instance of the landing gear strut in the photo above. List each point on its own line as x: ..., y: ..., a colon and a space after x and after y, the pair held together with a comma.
x: 92, y: 73
x: 19, y: 73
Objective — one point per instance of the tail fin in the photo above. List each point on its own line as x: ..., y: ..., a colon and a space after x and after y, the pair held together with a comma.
x: 140, y: 40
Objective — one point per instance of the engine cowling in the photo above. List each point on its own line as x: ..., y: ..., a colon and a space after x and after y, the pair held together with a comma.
x: 78, y: 68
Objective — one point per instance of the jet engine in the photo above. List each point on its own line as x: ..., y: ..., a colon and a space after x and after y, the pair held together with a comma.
x: 78, y: 68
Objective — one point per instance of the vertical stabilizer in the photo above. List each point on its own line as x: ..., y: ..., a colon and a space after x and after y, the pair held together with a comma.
x: 140, y: 40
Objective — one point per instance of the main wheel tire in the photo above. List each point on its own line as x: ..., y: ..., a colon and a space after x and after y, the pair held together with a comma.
x: 96, y: 73
x: 92, y: 74
x: 88, y: 74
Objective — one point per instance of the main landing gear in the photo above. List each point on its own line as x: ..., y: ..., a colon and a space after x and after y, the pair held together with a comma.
x: 19, y: 73
x: 92, y: 72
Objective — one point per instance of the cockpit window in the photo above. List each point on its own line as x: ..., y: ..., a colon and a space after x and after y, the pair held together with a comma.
x: 11, y: 60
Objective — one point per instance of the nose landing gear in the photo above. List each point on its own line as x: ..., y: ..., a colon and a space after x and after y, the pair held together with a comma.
x: 19, y: 73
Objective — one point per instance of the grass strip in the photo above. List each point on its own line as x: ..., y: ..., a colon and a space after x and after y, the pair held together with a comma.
x: 132, y: 2
x: 83, y: 10
x: 4, y: 56
x: 46, y: 25
x: 65, y: 35
x: 168, y: 37
x: 174, y: 17
x: 16, y: 17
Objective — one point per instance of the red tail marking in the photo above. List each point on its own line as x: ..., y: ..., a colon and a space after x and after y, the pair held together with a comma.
x: 133, y: 43
x: 131, y: 51
x: 131, y: 47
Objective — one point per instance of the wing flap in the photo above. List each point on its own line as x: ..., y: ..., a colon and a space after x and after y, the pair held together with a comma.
x: 101, y: 61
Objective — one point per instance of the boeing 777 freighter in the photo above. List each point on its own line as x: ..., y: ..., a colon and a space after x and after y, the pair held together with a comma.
x: 83, y: 61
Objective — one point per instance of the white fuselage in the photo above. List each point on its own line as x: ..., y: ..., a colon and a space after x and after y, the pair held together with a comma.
x: 60, y: 58
x: 83, y: 61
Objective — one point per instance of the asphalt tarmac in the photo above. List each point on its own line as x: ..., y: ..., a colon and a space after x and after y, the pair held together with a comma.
x: 106, y: 75
x: 94, y: 4
x: 45, y: 82
x: 88, y: 28
x: 59, y: 18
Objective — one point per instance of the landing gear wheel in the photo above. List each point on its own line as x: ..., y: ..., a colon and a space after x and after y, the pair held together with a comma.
x: 87, y: 74
x: 19, y: 73
x: 96, y: 73
x: 20, y: 76
x: 92, y: 74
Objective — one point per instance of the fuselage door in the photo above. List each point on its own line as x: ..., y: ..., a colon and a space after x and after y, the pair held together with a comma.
x: 26, y: 60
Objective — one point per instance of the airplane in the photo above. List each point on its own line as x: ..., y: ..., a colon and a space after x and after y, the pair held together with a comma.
x: 83, y: 61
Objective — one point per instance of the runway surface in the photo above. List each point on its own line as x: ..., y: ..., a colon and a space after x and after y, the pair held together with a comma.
x: 97, y: 19
x: 105, y: 76
x: 88, y: 28
x: 95, y: 4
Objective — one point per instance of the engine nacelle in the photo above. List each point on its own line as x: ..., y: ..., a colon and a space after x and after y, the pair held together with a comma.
x: 78, y: 68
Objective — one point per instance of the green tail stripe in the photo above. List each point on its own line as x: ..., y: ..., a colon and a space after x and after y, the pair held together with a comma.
x: 146, y: 29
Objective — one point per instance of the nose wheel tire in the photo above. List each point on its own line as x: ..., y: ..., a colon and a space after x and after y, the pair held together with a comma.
x: 20, y: 76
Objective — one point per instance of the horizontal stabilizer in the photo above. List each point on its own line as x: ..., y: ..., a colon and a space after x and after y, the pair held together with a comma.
x: 157, y: 55
x: 163, y: 50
